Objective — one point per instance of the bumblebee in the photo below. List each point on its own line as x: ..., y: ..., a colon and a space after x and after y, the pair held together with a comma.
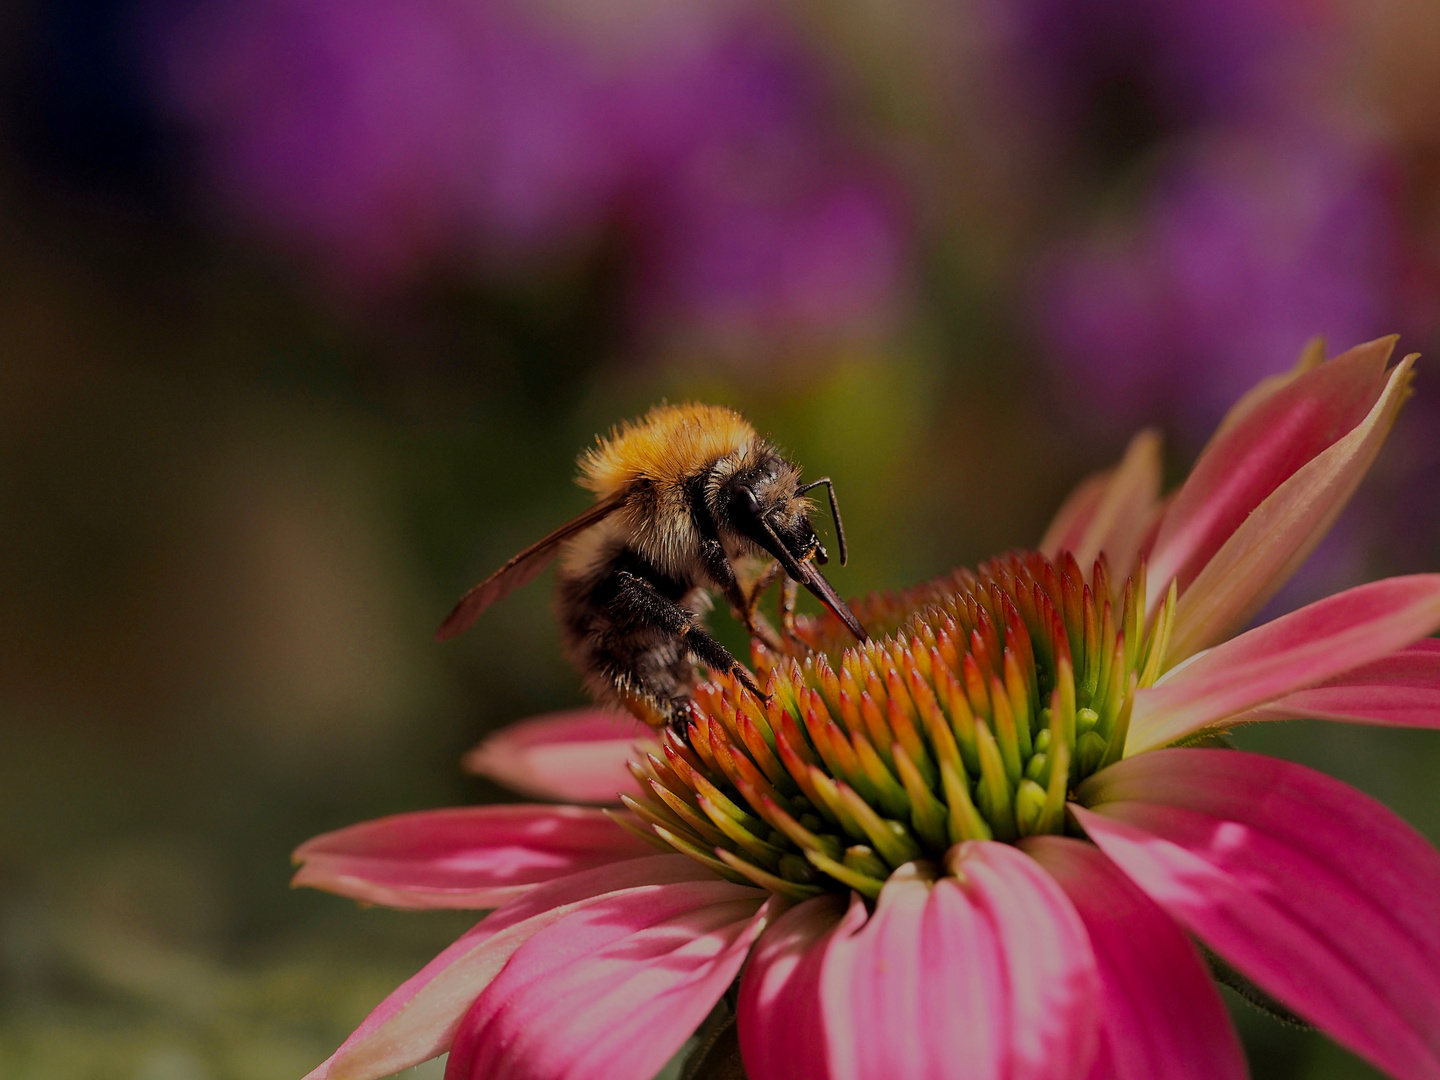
x: 683, y: 497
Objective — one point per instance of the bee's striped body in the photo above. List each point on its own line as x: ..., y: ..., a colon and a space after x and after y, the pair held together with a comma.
x: 681, y: 496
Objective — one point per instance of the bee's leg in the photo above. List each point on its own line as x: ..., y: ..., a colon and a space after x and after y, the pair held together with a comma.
x: 717, y: 565
x: 756, y: 623
x: 720, y: 570
x: 643, y: 605
x: 788, y: 591
x: 649, y: 707
x: 771, y: 573
x: 716, y: 657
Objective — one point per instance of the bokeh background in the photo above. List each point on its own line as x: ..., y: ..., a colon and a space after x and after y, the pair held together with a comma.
x: 307, y: 306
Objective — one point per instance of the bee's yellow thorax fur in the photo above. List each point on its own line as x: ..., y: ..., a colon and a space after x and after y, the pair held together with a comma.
x: 666, y: 445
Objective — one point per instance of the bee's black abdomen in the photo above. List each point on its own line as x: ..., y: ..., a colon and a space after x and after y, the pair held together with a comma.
x: 623, y: 625
x: 635, y: 633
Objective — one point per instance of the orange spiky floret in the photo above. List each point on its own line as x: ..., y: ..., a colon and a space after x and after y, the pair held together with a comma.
x: 992, y: 693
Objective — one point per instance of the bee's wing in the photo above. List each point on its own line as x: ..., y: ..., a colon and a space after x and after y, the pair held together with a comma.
x: 521, y: 568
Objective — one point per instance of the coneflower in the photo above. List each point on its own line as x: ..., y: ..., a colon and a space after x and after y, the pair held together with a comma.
x: 980, y: 844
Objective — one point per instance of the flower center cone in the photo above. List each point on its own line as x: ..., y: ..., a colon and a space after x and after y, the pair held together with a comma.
x: 981, y: 702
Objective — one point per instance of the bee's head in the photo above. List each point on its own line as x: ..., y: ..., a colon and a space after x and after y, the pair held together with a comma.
x: 767, y: 490
x: 763, y: 504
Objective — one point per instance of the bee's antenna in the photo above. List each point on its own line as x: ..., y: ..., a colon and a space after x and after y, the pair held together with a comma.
x: 834, y: 513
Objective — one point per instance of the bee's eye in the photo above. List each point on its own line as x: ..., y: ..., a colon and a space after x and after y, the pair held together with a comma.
x: 746, y: 502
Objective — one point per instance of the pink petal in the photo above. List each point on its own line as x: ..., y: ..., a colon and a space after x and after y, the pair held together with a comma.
x: 1295, y: 651
x: 1318, y: 893
x: 612, y: 991
x: 1052, y: 978
x: 1075, y: 514
x: 782, y: 1036
x: 1254, y: 453
x: 1111, y: 512
x: 984, y: 975
x: 890, y: 1010
x: 1164, y: 1019
x: 1399, y: 690
x: 1311, y: 357
x: 574, y: 756
x: 1262, y: 553
x: 418, y: 1021
x: 1104, y: 1066
x: 466, y: 857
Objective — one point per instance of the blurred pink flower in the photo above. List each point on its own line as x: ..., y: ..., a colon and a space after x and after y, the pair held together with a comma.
x: 380, y: 137
x: 881, y: 852
x: 1244, y: 245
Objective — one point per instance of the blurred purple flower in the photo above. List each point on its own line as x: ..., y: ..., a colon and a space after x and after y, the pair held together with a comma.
x: 373, y: 134
x: 1245, y: 247
x: 378, y: 136
x: 1164, y: 66
x: 755, y: 216
x: 826, y: 255
x: 1254, y: 218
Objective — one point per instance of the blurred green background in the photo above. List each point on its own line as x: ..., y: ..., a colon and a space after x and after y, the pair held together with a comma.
x: 308, y: 306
